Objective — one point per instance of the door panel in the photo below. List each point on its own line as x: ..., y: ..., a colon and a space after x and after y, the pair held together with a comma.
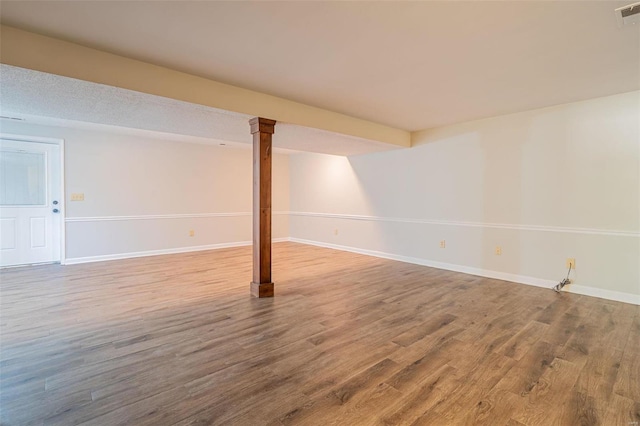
x: 38, y: 232
x: 29, y: 184
x: 8, y: 232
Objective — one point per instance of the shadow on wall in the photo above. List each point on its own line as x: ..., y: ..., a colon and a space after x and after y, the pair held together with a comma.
x: 471, y: 186
x: 543, y: 186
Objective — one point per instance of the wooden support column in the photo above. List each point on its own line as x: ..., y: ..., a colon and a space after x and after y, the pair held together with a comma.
x: 262, y: 129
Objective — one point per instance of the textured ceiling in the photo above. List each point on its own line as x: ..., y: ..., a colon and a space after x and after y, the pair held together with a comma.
x: 41, y: 97
x: 411, y: 65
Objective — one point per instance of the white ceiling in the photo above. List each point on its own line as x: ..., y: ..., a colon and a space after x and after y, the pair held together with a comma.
x: 43, y: 98
x: 411, y: 65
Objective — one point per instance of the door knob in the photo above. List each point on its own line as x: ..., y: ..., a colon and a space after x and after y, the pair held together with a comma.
x: 56, y: 211
x: 55, y: 202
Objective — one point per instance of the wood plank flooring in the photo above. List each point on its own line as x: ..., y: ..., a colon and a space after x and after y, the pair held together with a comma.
x: 348, y: 340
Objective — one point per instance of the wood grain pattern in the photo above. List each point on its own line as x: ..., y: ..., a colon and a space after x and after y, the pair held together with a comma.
x: 350, y: 339
x: 262, y: 130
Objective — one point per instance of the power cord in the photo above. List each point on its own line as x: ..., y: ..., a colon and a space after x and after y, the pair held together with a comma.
x: 562, y: 283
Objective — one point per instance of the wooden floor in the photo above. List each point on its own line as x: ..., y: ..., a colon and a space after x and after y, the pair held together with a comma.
x: 348, y: 340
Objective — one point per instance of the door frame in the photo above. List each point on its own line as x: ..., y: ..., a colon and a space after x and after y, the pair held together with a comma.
x: 63, y: 198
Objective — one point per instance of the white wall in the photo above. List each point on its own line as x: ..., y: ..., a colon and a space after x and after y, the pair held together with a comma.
x: 143, y: 195
x: 544, y: 185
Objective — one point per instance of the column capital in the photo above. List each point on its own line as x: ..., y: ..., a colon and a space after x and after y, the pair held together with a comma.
x: 262, y: 125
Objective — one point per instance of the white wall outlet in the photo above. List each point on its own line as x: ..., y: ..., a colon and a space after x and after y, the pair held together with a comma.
x: 77, y: 197
x: 443, y: 244
x: 571, y: 263
x: 498, y: 251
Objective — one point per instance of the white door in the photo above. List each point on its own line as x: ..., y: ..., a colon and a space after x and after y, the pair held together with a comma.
x: 30, y: 202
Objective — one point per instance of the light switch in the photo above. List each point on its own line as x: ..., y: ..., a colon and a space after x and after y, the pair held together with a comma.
x: 77, y: 197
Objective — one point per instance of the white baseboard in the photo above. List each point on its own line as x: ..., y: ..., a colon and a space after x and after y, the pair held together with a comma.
x: 119, y: 256
x: 601, y: 293
x: 521, y: 279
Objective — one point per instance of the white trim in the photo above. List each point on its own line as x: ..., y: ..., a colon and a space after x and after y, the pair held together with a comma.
x: 153, y: 217
x: 521, y: 279
x: 538, y: 282
x: 120, y: 256
x: 36, y: 139
x: 162, y: 216
x: 601, y: 293
x: 63, y: 209
x: 594, y: 231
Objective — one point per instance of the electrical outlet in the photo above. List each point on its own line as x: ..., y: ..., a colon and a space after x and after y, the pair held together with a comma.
x: 498, y: 251
x: 192, y: 233
x: 77, y: 197
x: 335, y: 231
x: 571, y: 263
x: 443, y: 244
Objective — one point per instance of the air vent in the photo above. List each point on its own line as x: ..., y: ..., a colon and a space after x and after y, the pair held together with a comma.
x: 628, y: 15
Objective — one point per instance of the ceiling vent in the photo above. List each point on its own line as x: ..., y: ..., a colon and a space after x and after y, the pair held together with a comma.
x: 628, y: 15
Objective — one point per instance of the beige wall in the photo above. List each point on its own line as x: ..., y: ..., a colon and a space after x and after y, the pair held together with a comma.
x: 40, y: 53
x: 544, y: 185
x: 128, y: 181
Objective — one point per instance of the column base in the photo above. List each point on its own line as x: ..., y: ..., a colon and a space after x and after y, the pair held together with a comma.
x: 262, y: 289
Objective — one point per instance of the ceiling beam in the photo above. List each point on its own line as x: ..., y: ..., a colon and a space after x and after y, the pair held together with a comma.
x: 41, y: 53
